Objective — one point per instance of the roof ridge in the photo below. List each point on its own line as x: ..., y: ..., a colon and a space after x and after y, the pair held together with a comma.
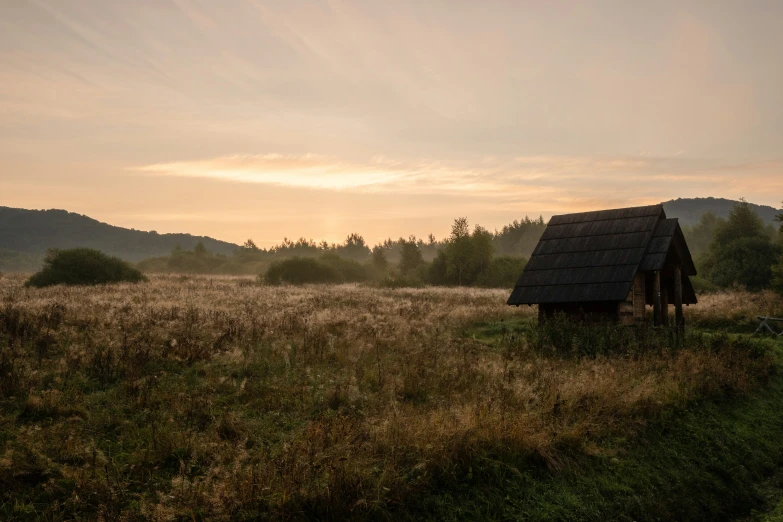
x: 658, y: 208
x: 613, y: 209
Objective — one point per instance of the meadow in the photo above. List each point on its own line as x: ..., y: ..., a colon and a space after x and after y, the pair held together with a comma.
x: 218, y: 398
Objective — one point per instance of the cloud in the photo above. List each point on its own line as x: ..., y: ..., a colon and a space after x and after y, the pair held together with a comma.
x: 306, y: 171
x: 557, y: 182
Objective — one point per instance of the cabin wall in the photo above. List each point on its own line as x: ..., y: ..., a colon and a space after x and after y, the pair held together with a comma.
x: 588, y: 312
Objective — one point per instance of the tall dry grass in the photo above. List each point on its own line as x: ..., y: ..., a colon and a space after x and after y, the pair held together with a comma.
x: 735, y: 309
x: 219, y: 398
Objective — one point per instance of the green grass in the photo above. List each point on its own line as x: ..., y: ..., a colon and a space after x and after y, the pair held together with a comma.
x: 492, y: 333
x: 711, y: 461
x: 708, y: 462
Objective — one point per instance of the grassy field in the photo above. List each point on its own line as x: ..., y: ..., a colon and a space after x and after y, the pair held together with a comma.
x: 195, y: 398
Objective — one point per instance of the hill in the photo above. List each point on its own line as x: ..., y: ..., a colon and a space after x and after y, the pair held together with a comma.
x: 689, y: 210
x: 25, y: 235
x: 29, y: 233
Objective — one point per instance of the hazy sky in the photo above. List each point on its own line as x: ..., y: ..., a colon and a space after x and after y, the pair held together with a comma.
x: 267, y: 119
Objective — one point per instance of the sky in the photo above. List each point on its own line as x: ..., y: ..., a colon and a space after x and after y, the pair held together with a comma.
x: 268, y: 119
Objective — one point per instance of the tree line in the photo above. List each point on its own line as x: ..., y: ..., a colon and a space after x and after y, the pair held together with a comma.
x: 738, y: 251
x: 466, y: 257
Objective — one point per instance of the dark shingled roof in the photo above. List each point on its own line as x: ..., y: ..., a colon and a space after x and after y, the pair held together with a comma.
x: 594, y: 256
x: 666, y: 232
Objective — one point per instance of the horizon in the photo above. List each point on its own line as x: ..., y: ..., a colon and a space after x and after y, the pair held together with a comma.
x: 316, y: 120
x: 370, y: 242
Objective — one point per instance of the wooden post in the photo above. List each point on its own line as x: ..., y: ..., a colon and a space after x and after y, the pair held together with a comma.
x: 679, y: 319
x: 657, y: 299
x: 664, y: 307
x: 639, y: 297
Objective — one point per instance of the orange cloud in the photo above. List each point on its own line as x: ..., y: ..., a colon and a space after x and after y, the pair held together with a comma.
x: 543, y: 180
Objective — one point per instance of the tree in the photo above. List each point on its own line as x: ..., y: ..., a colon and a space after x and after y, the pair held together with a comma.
x: 354, y: 248
x: 700, y: 235
x: 464, y: 255
x: 746, y: 261
x: 459, y: 251
x: 742, y: 222
x: 410, y: 255
x: 520, y: 237
x: 379, y: 261
x: 250, y: 245
x: 502, y: 272
x: 200, y: 250
x: 355, y: 240
x: 779, y: 218
x: 460, y: 228
x: 777, y: 270
x: 437, y: 270
x: 482, y: 250
x: 741, y: 253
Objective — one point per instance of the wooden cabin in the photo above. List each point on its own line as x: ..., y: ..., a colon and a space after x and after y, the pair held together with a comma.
x: 609, y: 265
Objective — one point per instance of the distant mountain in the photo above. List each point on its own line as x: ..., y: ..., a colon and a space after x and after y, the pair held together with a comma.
x: 32, y: 232
x: 689, y: 210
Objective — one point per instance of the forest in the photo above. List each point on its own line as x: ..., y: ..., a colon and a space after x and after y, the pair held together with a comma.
x: 739, y: 251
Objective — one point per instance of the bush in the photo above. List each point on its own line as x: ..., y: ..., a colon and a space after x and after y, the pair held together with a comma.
x: 502, y: 272
x: 329, y: 268
x: 350, y: 271
x: 302, y: 270
x: 83, y: 266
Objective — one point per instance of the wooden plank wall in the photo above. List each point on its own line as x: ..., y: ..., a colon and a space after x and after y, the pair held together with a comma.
x: 638, y: 297
x: 625, y: 310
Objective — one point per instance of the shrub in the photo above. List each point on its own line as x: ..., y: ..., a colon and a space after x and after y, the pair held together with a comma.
x: 350, y: 271
x: 329, y: 268
x: 301, y: 270
x: 83, y: 266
